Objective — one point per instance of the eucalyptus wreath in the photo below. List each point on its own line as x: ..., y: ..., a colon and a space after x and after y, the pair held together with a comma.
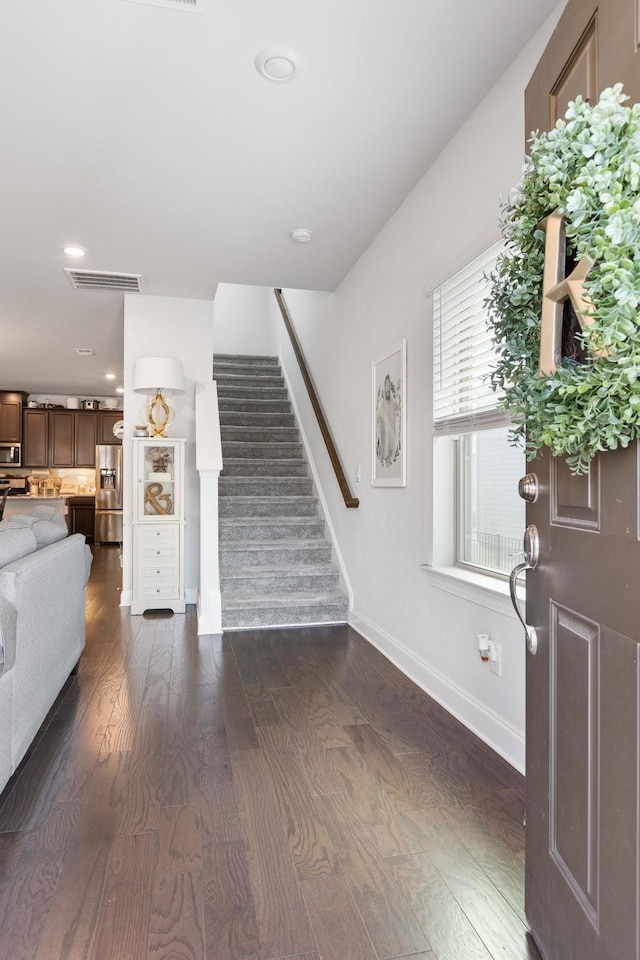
x: 588, y: 168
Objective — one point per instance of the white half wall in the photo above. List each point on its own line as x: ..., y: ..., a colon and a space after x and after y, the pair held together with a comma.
x: 450, y: 216
x: 183, y: 329
x: 240, y: 320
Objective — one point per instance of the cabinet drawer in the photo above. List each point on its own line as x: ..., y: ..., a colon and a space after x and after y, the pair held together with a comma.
x: 165, y: 590
x: 159, y: 551
x: 162, y: 571
x: 161, y: 532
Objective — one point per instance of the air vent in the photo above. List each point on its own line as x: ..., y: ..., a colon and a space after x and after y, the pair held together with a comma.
x: 103, y: 280
x: 187, y: 6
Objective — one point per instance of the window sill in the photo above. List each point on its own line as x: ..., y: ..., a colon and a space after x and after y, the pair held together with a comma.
x: 478, y: 588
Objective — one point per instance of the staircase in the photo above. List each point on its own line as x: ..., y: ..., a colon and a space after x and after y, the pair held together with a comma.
x: 275, y: 560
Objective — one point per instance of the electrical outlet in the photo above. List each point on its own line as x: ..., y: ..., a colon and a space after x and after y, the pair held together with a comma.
x: 495, y: 659
x: 358, y: 473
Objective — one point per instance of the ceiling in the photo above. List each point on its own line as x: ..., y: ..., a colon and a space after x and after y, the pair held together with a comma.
x: 146, y: 135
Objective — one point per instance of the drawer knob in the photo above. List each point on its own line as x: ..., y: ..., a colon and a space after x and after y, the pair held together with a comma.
x: 157, y: 571
x: 158, y: 552
x: 158, y: 590
x: 157, y: 533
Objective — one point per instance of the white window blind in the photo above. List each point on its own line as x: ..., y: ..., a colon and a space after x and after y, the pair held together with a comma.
x: 463, y: 354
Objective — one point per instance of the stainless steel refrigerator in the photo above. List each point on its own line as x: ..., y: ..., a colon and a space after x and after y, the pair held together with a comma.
x: 108, y: 527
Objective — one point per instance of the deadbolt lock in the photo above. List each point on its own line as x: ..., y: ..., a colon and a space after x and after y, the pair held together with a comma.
x: 529, y: 488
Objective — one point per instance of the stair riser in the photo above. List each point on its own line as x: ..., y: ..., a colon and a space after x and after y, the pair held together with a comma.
x: 282, y: 617
x: 265, y: 468
x: 258, y: 434
x: 240, y: 507
x: 264, y: 487
x: 306, y: 529
x: 255, y: 420
x: 261, y: 450
x: 251, y: 393
x: 275, y: 556
x: 253, y: 359
x: 230, y: 405
x: 257, y: 380
x: 262, y: 586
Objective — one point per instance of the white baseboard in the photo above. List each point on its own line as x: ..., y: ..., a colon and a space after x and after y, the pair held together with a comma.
x: 126, y: 597
x: 501, y: 736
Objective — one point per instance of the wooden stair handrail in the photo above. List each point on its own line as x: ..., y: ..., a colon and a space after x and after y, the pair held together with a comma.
x: 349, y: 499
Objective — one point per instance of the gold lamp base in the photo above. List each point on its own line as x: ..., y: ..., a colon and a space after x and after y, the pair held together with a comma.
x: 158, y: 415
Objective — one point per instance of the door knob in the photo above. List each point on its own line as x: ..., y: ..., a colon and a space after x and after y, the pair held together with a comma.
x: 531, y: 547
x: 529, y: 488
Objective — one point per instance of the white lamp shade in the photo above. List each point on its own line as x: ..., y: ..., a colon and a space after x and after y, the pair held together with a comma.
x: 158, y: 373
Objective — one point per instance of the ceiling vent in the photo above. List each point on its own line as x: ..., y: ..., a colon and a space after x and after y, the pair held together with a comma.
x: 187, y: 6
x: 103, y: 280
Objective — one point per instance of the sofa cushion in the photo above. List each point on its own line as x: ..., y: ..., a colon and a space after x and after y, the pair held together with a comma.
x: 45, y: 531
x: 15, y: 542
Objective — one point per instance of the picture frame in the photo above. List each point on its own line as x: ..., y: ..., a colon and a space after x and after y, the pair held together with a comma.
x: 389, y: 417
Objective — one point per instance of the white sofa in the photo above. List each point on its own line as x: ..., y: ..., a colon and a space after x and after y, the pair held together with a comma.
x: 43, y: 578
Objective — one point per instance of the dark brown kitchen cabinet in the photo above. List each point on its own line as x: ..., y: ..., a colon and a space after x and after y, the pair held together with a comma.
x: 106, y: 422
x: 62, y: 438
x: 81, y: 516
x: 35, y: 447
x: 85, y: 439
x: 11, y: 404
x: 72, y: 438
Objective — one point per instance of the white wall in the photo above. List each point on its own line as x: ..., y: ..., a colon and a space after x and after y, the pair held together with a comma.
x: 450, y: 216
x: 240, y: 320
x: 166, y: 327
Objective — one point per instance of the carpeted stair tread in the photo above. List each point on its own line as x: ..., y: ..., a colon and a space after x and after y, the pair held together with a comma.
x: 275, y: 506
x: 264, y: 528
x: 245, y: 467
x: 235, y: 486
x: 302, y: 569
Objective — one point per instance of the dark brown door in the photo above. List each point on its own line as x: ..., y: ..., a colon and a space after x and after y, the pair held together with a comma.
x: 583, y: 597
x: 62, y: 438
x: 86, y: 431
x: 11, y: 417
x: 36, y: 438
x: 106, y: 423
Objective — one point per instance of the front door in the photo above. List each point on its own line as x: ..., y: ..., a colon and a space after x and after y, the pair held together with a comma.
x: 583, y: 597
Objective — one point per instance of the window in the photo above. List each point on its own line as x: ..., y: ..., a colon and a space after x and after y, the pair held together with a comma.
x: 489, y: 517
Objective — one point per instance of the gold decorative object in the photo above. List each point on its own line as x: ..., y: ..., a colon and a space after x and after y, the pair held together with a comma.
x: 556, y: 288
x: 159, y: 502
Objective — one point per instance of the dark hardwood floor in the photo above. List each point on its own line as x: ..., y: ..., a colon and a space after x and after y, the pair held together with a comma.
x: 274, y: 794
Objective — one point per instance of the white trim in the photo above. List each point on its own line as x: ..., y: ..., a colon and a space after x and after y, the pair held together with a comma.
x: 126, y: 597
x: 489, y: 592
x: 316, y: 479
x: 501, y: 736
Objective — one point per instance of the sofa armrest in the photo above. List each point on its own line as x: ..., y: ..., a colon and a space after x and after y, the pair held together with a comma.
x: 8, y: 625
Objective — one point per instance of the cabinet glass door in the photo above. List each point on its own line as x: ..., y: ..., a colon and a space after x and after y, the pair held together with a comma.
x: 158, y: 474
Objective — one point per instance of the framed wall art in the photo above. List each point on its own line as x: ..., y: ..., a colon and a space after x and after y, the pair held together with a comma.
x: 388, y: 429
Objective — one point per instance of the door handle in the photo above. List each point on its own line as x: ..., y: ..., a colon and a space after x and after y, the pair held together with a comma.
x: 531, y: 553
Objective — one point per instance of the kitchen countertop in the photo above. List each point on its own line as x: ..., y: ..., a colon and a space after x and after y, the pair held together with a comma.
x: 22, y: 503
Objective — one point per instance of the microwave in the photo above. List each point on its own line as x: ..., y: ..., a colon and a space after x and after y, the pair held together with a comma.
x: 10, y: 455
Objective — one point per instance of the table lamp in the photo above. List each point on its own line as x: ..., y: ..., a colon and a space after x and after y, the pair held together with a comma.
x: 158, y: 377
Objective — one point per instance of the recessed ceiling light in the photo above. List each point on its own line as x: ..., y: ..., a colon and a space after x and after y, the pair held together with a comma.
x: 301, y: 235
x: 73, y: 250
x: 110, y: 376
x: 119, y: 389
x: 277, y: 63
x: 85, y: 352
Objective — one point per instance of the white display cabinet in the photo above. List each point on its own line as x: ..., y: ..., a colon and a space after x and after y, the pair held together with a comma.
x: 158, y: 525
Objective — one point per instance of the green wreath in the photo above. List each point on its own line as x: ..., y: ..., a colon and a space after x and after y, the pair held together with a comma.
x: 588, y: 168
